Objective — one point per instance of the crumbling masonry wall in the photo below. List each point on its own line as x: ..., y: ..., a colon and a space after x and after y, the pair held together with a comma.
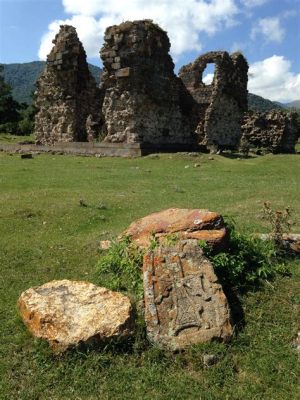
x: 218, y: 108
x: 142, y: 101
x: 274, y: 131
x: 67, y: 97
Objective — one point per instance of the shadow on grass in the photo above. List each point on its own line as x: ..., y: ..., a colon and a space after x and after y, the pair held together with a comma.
x: 235, y: 156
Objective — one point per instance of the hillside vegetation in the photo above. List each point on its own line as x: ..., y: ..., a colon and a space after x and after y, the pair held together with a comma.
x: 258, y: 103
x: 22, y: 78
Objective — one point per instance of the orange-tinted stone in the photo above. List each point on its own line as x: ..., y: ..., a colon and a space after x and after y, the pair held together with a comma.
x: 184, y: 223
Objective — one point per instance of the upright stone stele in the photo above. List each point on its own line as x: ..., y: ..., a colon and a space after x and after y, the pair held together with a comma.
x: 184, y: 301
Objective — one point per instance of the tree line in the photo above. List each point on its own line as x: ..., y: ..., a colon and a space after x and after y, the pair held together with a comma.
x: 15, y: 118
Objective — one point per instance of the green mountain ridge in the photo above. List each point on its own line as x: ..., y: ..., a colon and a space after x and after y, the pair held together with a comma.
x: 22, y: 77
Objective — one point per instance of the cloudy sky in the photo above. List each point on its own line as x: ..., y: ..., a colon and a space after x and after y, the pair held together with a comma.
x: 266, y: 31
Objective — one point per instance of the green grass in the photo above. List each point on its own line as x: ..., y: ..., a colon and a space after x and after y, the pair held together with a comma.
x: 45, y: 234
x: 8, y: 138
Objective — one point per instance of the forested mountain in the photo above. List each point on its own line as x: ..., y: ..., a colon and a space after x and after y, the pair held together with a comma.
x: 258, y: 103
x: 22, y: 78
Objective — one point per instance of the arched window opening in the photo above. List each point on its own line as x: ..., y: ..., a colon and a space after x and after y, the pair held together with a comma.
x: 208, y: 74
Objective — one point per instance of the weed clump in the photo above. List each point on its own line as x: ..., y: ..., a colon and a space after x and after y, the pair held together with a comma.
x: 120, y: 268
x: 247, y: 262
x: 279, y: 221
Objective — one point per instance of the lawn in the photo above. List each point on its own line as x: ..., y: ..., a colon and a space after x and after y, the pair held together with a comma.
x: 45, y: 234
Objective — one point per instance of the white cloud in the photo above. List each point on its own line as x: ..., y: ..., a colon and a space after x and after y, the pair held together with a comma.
x: 87, y: 28
x: 183, y: 22
x: 208, y: 79
x: 254, y: 3
x: 272, y: 79
x: 270, y: 28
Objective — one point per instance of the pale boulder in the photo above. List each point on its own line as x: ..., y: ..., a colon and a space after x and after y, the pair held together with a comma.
x: 68, y: 313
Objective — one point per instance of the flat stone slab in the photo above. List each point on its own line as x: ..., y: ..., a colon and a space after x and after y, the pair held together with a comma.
x: 67, y: 313
x: 183, y: 223
x: 184, y: 302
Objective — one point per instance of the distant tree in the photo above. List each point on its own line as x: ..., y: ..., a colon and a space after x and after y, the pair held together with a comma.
x: 9, y: 108
x: 26, y: 124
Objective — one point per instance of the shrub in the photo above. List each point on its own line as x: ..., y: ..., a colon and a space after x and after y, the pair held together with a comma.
x: 9, y: 127
x: 248, y: 261
x: 25, y: 127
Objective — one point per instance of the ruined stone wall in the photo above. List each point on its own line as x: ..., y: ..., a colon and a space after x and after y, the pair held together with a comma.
x: 68, y: 100
x: 142, y: 101
x: 275, y: 131
x: 218, y: 108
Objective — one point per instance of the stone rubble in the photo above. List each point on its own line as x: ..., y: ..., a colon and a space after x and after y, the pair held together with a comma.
x: 184, y: 302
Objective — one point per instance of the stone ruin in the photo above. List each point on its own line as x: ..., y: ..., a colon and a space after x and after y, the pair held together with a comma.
x: 273, y: 131
x: 67, y: 98
x: 142, y: 102
x: 218, y: 108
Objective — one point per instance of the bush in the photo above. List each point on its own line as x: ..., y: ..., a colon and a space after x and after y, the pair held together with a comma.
x: 248, y: 261
x: 9, y: 127
x: 25, y: 127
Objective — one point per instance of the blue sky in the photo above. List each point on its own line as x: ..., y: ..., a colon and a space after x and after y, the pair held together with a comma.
x: 266, y: 31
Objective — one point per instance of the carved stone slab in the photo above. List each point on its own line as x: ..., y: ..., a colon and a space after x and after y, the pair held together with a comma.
x: 184, y: 302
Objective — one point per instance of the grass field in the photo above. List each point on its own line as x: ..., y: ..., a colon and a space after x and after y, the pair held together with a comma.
x: 45, y: 234
x: 8, y: 138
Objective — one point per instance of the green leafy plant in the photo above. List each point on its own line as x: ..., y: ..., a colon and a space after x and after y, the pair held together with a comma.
x: 120, y: 268
x: 247, y: 262
x: 171, y: 239
x: 154, y: 242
